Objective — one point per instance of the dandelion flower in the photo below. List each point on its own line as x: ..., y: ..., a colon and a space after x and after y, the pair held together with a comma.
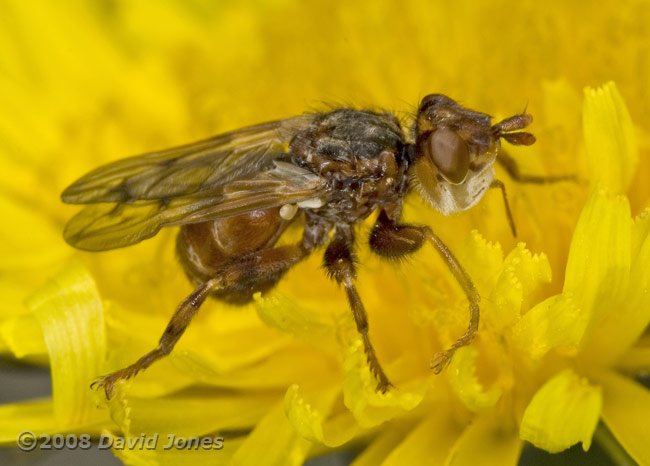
x: 285, y: 378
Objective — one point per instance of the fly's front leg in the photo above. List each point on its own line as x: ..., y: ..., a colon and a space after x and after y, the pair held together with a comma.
x: 252, y: 271
x: 393, y: 240
x: 499, y: 184
x: 510, y: 165
x: 339, y: 261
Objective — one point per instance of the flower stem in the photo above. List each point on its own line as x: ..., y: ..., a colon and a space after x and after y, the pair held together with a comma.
x: 610, y: 445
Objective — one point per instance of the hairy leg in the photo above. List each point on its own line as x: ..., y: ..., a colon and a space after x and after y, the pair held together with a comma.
x: 393, y: 240
x: 339, y: 261
x: 242, y: 273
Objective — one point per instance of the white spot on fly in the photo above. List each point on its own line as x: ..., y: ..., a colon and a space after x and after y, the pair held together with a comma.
x: 313, y: 203
x: 288, y: 211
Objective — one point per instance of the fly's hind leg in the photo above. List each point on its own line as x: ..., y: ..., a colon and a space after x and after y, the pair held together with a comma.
x: 248, y: 273
x: 393, y: 240
x: 177, y: 325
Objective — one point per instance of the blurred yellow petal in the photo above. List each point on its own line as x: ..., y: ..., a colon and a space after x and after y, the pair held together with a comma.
x: 626, y: 410
x: 34, y: 237
x: 635, y: 360
x: 598, y: 266
x: 563, y: 412
x: 30, y: 247
x: 273, y: 442
x: 35, y: 416
x: 381, y: 446
x: 609, y: 138
x: 23, y: 336
x: 488, y: 440
x: 274, y: 371
x: 71, y: 316
x: 429, y: 442
x: 461, y: 374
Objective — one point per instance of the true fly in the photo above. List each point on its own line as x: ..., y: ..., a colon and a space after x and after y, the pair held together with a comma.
x: 235, y: 194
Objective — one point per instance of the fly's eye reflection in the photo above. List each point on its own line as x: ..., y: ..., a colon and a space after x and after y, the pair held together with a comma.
x: 449, y: 153
x: 234, y: 196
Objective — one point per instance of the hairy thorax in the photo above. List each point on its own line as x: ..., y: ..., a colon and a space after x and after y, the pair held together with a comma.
x: 361, y: 155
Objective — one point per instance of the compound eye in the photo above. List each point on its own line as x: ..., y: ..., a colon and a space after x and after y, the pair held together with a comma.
x: 449, y: 153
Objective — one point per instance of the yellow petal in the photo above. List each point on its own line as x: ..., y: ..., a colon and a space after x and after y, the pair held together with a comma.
x: 553, y: 323
x: 635, y: 360
x: 191, y: 413
x: 307, y: 414
x: 640, y: 231
x: 429, y: 442
x: 382, y: 445
x: 361, y: 397
x: 241, y: 342
x: 465, y: 384
x: 503, y: 307
x: 621, y: 327
x: 482, y: 260
x: 273, y: 442
x: 31, y: 415
x: 522, y: 273
x: 218, y: 451
x: 71, y: 315
x: 531, y: 270
x: 626, y: 411
x: 488, y: 441
x: 288, y: 316
x: 599, y: 260
x: 563, y: 412
x: 610, y: 141
x: 36, y: 416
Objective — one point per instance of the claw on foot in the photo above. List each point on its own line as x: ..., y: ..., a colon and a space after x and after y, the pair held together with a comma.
x: 441, y: 361
x: 383, y: 385
x: 107, y: 382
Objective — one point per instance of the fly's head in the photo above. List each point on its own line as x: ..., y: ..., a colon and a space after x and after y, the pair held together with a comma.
x: 455, y: 149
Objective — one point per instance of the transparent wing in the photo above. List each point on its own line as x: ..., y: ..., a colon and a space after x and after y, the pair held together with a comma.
x: 100, y: 227
x: 199, y: 167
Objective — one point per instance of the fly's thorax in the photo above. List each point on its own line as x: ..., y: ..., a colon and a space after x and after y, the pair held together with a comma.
x: 360, y: 154
x: 346, y: 142
x: 354, y: 194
